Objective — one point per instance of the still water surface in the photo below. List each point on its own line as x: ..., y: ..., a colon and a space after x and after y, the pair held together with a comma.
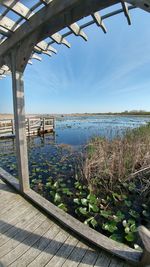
x: 54, y: 155
x: 78, y: 130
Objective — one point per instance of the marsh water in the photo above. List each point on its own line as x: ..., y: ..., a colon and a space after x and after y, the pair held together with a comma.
x: 77, y: 131
x: 54, y: 155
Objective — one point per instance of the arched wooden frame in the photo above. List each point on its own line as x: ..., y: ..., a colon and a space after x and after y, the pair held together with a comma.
x: 19, y: 44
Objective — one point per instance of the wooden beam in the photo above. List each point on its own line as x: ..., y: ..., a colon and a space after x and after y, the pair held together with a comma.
x: 20, y: 127
x: 141, y: 4
x: 52, y: 18
x: 145, y: 236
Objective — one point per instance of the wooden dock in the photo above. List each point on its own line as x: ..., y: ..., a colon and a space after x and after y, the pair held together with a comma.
x: 29, y: 238
x: 34, y: 126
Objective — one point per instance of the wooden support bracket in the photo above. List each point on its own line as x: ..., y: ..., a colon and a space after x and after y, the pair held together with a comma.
x: 126, y: 11
x: 59, y: 39
x: 35, y: 56
x: 145, y: 236
x: 98, y: 20
x: 77, y: 31
x: 43, y: 46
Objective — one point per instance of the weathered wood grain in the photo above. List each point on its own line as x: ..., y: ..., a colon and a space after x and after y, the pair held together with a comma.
x: 76, y: 255
x: 31, y: 239
x: 24, y: 220
x: 32, y: 253
x: 50, y: 250
x: 89, y: 258
x: 63, y: 253
x: 22, y: 217
x: 21, y: 236
x: 28, y: 242
x: 52, y: 18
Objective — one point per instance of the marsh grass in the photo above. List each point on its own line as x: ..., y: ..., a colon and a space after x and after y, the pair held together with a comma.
x: 108, y: 163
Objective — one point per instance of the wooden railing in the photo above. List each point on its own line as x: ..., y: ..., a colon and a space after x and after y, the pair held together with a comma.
x: 34, y: 126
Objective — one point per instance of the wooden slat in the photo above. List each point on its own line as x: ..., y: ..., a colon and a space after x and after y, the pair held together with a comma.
x: 54, y: 17
x: 126, y: 11
x: 98, y: 20
x: 103, y: 260
x: 30, y: 241
x: 35, y: 56
x: 18, y: 8
x: 14, y: 213
x: 59, y: 39
x: 76, y: 255
x: 31, y: 254
x: 8, y: 24
x: 21, y: 236
x: 77, y: 31
x: 9, y: 204
x: 50, y: 250
x: 44, y: 46
x: 89, y: 258
x: 63, y: 253
x: 24, y: 219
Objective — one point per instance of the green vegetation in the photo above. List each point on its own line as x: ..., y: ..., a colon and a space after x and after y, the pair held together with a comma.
x: 107, y: 163
x: 107, y: 186
x: 111, y: 188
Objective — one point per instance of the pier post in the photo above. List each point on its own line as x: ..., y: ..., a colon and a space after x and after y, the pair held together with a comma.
x: 20, y: 126
x: 29, y: 128
x: 12, y: 125
x: 43, y: 125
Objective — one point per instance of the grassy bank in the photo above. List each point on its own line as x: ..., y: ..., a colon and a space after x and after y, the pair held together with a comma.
x: 106, y: 163
x: 117, y: 175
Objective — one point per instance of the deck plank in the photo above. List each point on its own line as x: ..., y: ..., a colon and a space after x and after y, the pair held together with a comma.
x: 28, y: 242
x: 32, y: 253
x: 21, y: 236
x: 89, y: 258
x: 30, y: 238
x: 50, y: 250
x: 63, y: 253
x: 23, y: 221
x: 4, y: 227
x: 103, y: 260
x: 76, y: 256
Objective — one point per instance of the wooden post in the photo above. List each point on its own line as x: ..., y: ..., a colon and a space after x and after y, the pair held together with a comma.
x: 20, y: 126
x: 43, y: 125
x: 12, y: 124
x: 145, y: 236
x: 53, y: 124
x: 29, y: 126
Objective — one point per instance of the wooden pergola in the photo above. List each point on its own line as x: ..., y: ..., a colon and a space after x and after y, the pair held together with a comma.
x: 30, y: 32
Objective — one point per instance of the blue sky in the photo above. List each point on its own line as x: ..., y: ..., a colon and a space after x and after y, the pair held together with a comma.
x: 108, y: 73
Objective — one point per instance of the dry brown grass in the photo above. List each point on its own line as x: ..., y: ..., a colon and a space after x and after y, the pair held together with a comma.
x: 107, y: 163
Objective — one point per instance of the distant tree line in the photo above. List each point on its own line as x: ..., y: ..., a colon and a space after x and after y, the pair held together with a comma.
x: 126, y: 112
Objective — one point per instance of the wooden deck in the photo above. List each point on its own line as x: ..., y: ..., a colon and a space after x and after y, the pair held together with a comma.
x: 33, y: 126
x: 29, y: 238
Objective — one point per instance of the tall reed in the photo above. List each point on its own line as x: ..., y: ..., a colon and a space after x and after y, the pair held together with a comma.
x: 106, y: 163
